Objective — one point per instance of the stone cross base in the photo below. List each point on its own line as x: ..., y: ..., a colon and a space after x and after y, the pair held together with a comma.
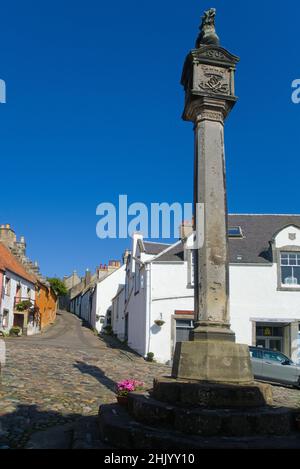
x: 211, y: 395
x: 213, y: 361
x: 196, y: 415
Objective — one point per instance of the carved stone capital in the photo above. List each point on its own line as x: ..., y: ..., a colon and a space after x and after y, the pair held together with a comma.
x: 206, y: 108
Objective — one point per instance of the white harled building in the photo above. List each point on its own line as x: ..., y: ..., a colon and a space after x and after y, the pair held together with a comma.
x: 155, y: 307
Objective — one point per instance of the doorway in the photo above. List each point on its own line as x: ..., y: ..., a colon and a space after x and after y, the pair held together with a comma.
x: 270, y: 337
x: 126, y: 326
x: 19, y: 320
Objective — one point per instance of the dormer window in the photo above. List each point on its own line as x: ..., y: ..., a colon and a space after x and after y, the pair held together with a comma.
x: 235, y: 232
x: 290, y: 269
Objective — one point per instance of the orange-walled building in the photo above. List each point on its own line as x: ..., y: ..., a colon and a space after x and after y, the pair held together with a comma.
x: 46, y: 302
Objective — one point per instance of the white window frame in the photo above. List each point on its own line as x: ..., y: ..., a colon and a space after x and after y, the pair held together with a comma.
x: 191, y: 268
x: 290, y: 265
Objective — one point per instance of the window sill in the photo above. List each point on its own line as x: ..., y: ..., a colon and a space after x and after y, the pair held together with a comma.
x: 283, y: 288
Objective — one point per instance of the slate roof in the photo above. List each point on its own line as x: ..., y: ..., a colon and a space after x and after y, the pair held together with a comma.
x: 154, y: 248
x: 9, y: 262
x: 258, y: 231
x: 254, y: 247
x: 176, y: 254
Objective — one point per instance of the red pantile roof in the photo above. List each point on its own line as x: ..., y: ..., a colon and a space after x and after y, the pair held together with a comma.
x: 9, y: 262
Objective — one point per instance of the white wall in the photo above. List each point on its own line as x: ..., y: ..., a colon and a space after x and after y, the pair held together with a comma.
x: 8, y: 301
x: 164, y: 291
x: 118, y: 317
x: 137, y: 313
x: 282, y: 238
x: 169, y: 293
x: 75, y: 305
x: 254, y: 294
x: 85, y: 309
x: 106, y: 290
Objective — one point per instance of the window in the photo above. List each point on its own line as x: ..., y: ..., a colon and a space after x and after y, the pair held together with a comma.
x: 275, y: 357
x: 137, y: 279
x: 191, y: 268
x: 235, y: 232
x: 254, y: 353
x: 7, y: 286
x: 269, y: 331
x: 127, y: 285
x: 290, y: 268
x: 18, y: 291
x: 183, y: 329
x: 5, y: 319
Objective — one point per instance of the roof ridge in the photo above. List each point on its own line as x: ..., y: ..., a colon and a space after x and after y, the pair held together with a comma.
x: 14, y: 265
x: 156, y: 242
x: 264, y: 214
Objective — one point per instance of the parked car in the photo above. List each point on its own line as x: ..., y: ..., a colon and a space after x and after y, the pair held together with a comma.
x: 269, y: 365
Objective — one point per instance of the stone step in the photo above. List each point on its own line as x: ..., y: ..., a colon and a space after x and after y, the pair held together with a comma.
x: 120, y: 431
x: 211, y: 395
x: 211, y: 422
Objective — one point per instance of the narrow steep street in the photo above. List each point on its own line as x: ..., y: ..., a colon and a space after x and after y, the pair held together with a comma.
x: 53, y: 384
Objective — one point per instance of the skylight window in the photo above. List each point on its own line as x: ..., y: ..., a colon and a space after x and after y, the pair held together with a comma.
x: 235, y: 232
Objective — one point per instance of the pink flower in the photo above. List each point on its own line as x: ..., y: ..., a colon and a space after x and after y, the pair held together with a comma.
x: 128, y: 385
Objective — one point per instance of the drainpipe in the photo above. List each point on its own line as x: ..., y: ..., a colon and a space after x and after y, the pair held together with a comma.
x: 147, y: 287
x: 1, y: 293
x: 148, y: 308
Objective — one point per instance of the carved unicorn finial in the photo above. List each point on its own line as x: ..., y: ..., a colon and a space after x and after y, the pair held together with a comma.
x: 208, y: 35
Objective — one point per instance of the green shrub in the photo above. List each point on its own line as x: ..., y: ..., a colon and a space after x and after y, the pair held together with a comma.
x: 150, y: 357
x: 23, y: 305
x: 15, y: 331
x: 58, y: 286
x: 108, y: 330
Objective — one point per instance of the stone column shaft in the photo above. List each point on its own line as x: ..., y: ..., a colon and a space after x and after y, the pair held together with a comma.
x: 212, y: 271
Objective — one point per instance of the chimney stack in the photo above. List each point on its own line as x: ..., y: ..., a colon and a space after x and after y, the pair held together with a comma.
x: 20, y: 248
x: 186, y: 229
x: 88, y: 277
x: 126, y: 255
x: 7, y: 236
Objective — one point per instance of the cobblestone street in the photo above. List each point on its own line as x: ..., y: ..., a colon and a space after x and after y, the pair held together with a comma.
x: 61, y: 376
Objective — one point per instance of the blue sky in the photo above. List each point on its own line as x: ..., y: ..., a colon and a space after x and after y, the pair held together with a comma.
x: 94, y: 107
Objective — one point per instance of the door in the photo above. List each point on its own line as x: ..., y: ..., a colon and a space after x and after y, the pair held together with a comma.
x: 270, y: 336
x: 274, y: 370
x: 19, y: 320
x: 272, y: 343
x: 126, y: 327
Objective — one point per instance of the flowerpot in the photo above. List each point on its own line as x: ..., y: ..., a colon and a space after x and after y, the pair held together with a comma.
x: 122, y: 400
x: 159, y: 323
